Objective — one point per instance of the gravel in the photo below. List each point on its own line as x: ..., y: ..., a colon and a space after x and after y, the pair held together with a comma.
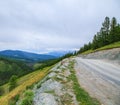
x: 55, y: 89
x: 45, y: 99
x: 99, y: 74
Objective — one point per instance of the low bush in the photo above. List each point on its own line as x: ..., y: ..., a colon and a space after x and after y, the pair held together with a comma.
x: 1, y: 91
x: 12, y: 82
x: 14, y: 100
x: 28, y: 98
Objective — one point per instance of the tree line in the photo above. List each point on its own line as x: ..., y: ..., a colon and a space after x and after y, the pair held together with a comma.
x: 109, y: 33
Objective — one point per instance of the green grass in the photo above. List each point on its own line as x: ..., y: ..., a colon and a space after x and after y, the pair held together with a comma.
x: 14, y: 100
x: 28, y: 98
x: 110, y: 46
x: 23, y: 82
x: 88, y: 52
x: 81, y: 95
x: 37, y: 65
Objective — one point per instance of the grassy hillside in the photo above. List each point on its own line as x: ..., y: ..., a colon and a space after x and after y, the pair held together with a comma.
x: 23, y: 83
x: 28, y: 80
x: 9, y: 67
x: 110, y: 46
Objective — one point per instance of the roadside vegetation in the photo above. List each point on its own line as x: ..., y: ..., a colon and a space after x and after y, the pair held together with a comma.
x: 27, y: 98
x: 109, y: 34
x: 81, y: 95
x: 110, y: 46
x: 13, y: 82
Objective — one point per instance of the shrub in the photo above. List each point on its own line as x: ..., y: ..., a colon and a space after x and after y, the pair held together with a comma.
x: 28, y: 98
x: 14, y: 100
x: 12, y: 82
x: 1, y: 91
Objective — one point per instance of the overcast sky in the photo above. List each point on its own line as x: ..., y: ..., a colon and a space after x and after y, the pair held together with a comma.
x: 51, y: 25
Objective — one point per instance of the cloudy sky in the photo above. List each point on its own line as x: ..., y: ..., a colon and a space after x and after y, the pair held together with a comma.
x: 52, y: 25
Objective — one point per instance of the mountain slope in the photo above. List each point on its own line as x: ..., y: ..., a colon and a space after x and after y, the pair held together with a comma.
x: 11, y: 67
x: 25, y: 56
x: 53, y: 85
x: 22, y: 84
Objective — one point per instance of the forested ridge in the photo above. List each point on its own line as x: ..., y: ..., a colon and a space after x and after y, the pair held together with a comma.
x: 109, y: 33
x: 9, y: 67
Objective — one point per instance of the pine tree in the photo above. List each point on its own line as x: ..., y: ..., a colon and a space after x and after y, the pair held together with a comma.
x: 112, y: 30
x: 113, y: 23
x: 109, y: 33
x: 94, y: 43
x: 105, y: 30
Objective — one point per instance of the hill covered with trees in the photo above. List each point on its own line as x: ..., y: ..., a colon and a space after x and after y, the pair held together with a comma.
x: 9, y: 67
x: 25, y: 56
x: 109, y: 33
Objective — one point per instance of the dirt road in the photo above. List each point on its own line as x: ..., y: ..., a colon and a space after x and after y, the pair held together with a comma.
x: 100, y: 78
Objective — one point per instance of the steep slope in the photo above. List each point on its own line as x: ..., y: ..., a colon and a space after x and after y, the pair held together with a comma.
x: 23, y: 83
x: 112, y: 55
x: 55, y: 85
x: 59, y: 87
x: 56, y: 88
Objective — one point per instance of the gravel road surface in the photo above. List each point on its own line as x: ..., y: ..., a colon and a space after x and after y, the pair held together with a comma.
x: 100, y: 78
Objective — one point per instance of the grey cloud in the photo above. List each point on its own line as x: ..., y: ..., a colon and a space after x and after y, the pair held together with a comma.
x: 38, y: 25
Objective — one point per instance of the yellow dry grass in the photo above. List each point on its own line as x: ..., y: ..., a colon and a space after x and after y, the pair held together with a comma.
x: 23, y: 82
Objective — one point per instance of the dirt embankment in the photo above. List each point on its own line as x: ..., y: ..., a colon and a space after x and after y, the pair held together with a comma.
x: 56, y: 88
x: 112, y: 55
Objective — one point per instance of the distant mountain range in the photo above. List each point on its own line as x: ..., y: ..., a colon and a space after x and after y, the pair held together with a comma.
x: 26, y: 56
x: 59, y: 53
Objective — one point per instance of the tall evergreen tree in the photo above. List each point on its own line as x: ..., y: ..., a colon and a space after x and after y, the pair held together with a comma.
x: 105, y: 30
x: 94, y: 43
x: 112, y: 30
x: 109, y: 33
x: 113, y: 23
